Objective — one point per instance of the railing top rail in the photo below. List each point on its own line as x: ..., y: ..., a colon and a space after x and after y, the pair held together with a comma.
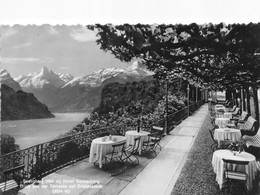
x: 63, y: 138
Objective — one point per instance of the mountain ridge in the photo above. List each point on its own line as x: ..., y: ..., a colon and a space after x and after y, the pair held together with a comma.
x: 5, y: 78
x: 78, y: 93
x: 21, y: 105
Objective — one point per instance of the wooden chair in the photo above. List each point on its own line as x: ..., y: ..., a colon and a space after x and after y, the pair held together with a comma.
x: 132, y: 150
x: 231, y: 174
x: 150, y: 144
x: 116, y: 154
x: 214, y: 145
x: 232, y: 109
x: 212, y: 119
x: 242, y: 118
x: 223, y: 144
x: 250, y: 127
x: 158, y: 137
x: 236, y: 112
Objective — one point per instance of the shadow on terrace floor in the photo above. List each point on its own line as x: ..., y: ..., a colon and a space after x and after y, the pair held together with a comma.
x: 75, y: 179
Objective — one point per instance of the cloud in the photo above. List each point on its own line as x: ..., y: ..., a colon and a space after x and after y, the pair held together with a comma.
x: 47, y: 60
x: 22, y: 45
x: 18, y: 60
x: 83, y: 35
x: 64, y: 68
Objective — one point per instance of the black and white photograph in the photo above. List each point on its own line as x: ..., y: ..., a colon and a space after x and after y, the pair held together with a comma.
x: 130, y: 97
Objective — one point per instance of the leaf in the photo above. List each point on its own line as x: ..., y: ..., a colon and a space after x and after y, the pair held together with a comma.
x: 138, y: 39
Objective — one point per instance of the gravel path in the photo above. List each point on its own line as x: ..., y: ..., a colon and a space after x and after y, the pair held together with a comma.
x: 197, y: 176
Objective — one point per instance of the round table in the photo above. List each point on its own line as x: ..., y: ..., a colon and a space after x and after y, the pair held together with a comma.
x: 222, y: 122
x: 227, y: 134
x: 219, y: 168
x: 102, y: 146
x: 227, y: 115
x: 131, y: 135
x: 220, y: 108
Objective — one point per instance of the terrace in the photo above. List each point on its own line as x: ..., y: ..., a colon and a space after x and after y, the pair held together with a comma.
x: 44, y: 159
x: 135, y: 179
x: 183, y: 166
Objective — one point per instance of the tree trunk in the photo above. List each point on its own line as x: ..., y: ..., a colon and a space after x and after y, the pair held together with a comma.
x: 255, y: 96
x: 235, y: 97
x: 243, y: 97
x: 196, y: 94
x: 248, y: 100
x: 193, y: 98
x: 228, y: 96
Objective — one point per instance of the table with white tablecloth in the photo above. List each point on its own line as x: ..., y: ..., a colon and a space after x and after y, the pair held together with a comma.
x: 227, y: 134
x: 220, y: 108
x: 102, y: 146
x: 219, y: 166
x: 227, y: 115
x: 222, y: 122
x: 131, y: 135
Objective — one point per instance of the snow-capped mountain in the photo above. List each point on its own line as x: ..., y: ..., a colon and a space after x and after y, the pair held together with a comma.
x: 136, y: 72
x: 64, y: 93
x: 6, y: 79
x: 38, y: 80
x: 65, y: 77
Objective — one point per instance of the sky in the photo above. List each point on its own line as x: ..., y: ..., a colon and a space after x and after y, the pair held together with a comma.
x: 72, y: 49
x: 61, y: 48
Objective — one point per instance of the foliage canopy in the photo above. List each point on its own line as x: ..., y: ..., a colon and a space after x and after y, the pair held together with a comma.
x: 217, y: 55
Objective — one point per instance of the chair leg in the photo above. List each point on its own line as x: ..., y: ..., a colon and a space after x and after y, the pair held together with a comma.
x: 159, y: 146
x: 154, y: 150
x: 128, y: 157
x: 136, y: 159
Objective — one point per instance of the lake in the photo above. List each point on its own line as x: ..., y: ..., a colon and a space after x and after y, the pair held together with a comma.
x: 35, y: 131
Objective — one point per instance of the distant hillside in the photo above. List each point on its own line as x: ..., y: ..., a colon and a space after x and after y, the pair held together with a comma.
x: 135, y: 97
x: 139, y: 98
x: 20, y: 105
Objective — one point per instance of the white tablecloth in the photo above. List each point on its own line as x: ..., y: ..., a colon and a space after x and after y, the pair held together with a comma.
x: 227, y: 115
x: 219, y: 108
x: 227, y: 134
x: 219, y: 167
x: 131, y: 135
x: 222, y: 122
x: 99, y: 148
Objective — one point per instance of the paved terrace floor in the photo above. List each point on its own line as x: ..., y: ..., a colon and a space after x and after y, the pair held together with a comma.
x: 152, y: 176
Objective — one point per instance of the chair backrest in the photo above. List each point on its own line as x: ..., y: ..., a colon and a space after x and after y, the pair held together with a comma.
x: 136, y: 144
x: 244, y: 116
x: 234, y: 108
x: 237, y: 111
x: 251, y: 120
x: 235, y: 162
x: 150, y: 135
x: 159, y: 130
x: 250, y: 127
x: 118, y: 147
x: 255, y: 124
x: 213, y: 121
x: 232, y: 173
